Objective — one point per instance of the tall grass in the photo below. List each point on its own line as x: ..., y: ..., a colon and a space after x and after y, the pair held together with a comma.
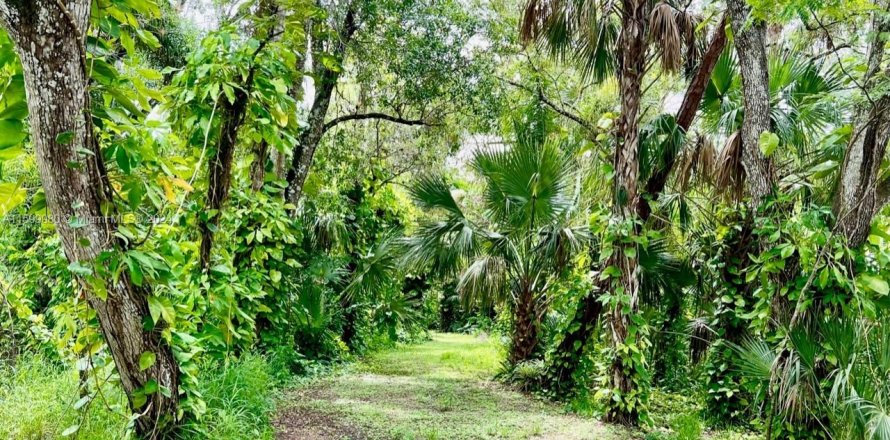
x: 38, y: 400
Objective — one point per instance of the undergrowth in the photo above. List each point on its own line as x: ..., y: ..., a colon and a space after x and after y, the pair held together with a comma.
x: 39, y: 400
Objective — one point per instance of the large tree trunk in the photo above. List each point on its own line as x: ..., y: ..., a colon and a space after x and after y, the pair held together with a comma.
x: 326, y: 81
x: 688, y: 109
x: 632, y: 67
x: 49, y: 37
x: 750, y: 45
x: 856, y: 199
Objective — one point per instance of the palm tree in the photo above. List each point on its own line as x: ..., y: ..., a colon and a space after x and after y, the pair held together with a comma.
x: 585, y: 32
x: 530, y: 236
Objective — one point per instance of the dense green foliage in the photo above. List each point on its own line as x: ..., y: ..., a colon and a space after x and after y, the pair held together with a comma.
x: 699, y: 242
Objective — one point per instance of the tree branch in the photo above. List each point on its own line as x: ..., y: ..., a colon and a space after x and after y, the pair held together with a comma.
x: 558, y: 109
x: 381, y: 116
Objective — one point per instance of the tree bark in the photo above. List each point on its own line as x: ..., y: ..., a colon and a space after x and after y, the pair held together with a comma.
x: 858, y: 196
x: 688, y: 109
x: 258, y: 166
x: 632, y: 67
x: 750, y: 45
x: 49, y: 38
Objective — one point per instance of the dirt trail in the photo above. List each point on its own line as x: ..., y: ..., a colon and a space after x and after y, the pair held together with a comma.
x: 440, y: 389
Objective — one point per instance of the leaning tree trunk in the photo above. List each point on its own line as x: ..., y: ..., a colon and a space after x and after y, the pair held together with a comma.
x: 750, y: 45
x: 685, y: 115
x: 624, y: 378
x: 304, y: 151
x: 857, y: 199
x: 49, y: 37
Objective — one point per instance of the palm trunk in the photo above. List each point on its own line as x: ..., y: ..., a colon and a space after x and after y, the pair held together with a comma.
x: 525, y: 328
x: 49, y: 37
x: 624, y: 379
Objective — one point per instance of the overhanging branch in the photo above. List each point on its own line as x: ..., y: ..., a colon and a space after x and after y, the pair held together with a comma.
x: 382, y: 116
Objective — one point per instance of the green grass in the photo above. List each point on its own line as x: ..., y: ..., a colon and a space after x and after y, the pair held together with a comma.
x: 37, y: 401
x: 441, y: 389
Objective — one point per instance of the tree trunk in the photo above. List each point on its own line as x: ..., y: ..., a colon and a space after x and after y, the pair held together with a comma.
x: 525, y: 328
x: 220, y: 174
x: 258, y: 166
x: 750, y: 45
x: 857, y: 197
x: 232, y: 115
x: 567, y: 359
x: 632, y: 67
x: 304, y: 151
x: 49, y: 37
x: 688, y: 109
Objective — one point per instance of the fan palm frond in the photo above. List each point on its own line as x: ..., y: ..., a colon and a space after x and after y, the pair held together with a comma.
x: 583, y: 31
x: 485, y: 281
x: 528, y: 184
x: 730, y: 173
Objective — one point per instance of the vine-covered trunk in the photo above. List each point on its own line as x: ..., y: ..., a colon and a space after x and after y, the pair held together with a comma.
x: 624, y: 373
x: 49, y: 37
x: 258, y: 166
x: 220, y: 173
x: 525, y: 327
x: 569, y: 353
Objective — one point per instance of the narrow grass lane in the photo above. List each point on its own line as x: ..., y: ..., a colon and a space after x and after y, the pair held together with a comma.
x: 441, y: 389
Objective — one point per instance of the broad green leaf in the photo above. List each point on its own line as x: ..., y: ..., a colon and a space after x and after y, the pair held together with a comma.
x: 81, y: 269
x: 12, y: 133
x: 769, y: 141
x: 11, y: 196
x: 146, y: 360
x: 875, y: 284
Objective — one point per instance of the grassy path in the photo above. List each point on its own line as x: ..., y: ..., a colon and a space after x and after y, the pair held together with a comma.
x: 440, y: 389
